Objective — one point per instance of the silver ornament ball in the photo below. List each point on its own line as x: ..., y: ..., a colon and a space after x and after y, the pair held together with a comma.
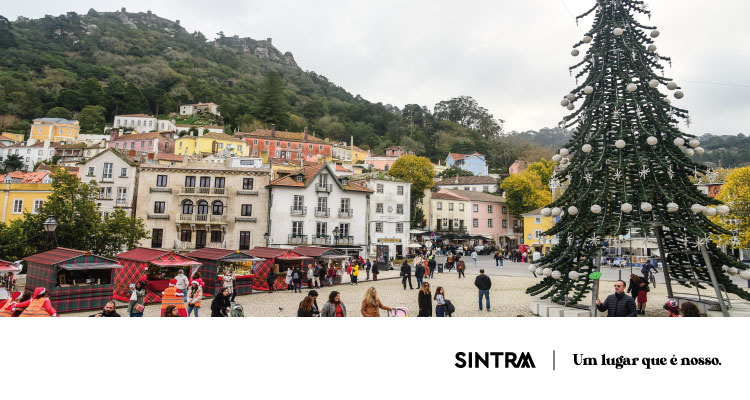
x: 618, y: 31
x: 694, y: 143
x: 556, y: 158
x: 745, y: 274
x: 555, y: 211
x: 672, y: 207
x: 709, y: 211
x: 596, y: 209
x: 571, y: 107
x: 564, y: 152
x: 532, y: 268
x: 575, y: 52
x: 632, y: 87
x: 571, y: 97
x: 652, y: 48
x: 652, y: 141
x: 678, y: 95
x: 626, y: 207
x: 671, y: 86
x: 689, y: 152
x: 655, y: 33
x: 696, y: 208
x: 646, y: 207
x: 699, y: 151
x: 574, y: 275
x: 620, y: 144
x: 546, y: 211
x: 722, y: 210
x: 572, y: 210
x: 564, y: 102
x: 556, y: 275
x: 679, y: 141
x: 587, y: 39
x: 653, y: 83
x: 586, y: 148
x: 588, y: 90
x: 732, y: 271
x: 547, y: 272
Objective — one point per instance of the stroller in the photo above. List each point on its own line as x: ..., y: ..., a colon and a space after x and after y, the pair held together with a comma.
x: 236, y: 310
x: 399, y: 312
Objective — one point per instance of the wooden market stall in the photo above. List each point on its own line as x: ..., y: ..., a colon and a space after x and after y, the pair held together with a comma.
x: 326, y: 256
x: 75, y: 279
x: 216, y: 261
x: 8, y: 271
x: 284, y: 258
x: 155, y: 267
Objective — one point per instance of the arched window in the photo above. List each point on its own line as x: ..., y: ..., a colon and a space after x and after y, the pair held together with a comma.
x: 202, y: 207
x: 187, y: 207
x: 218, y: 208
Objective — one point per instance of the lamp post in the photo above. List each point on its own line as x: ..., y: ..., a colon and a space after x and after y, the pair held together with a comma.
x: 267, y: 237
x: 50, y: 225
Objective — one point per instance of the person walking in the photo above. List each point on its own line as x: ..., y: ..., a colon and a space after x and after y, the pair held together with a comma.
x: 221, y: 304
x: 137, y: 303
x: 172, y: 296
x: 297, y: 279
x: 355, y: 273
x: 316, y: 275
x: 433, y: 265
x: 330, y: 274
x: 271, y: 278
x: 227, y: 281
x: 440, y: 302
x: 334, y: 307
x: 638, y: 288
x: 182, y: 283
x: 310, y: 276
x: 419, y: 274
x: 288, y: 279
x: 483, y: 284
x: 474, y: 257
x: 305, y: 307
x: 497, y: 258
x: 371, y: 304
x: 375, y: 271
x: 618, y: 304
x: 194, y: 298
x: 368, y: 266
x: 406, y: 274
x: 461, y: 268
x: 424, y: 299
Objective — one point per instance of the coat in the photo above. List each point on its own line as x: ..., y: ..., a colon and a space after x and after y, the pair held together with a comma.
x: 329, y: 309
x: 483, y: 282
x: 372, y: 310
x: 405, y: 270
x: 419, y: 271
x: 425, y: 304
x: 219, y: 306
x: 618, y: 306
x: 288, y: 279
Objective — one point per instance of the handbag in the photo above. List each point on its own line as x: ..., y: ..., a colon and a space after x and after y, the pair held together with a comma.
x: 138, y: 308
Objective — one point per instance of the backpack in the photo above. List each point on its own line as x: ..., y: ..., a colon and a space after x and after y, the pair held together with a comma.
x: 449, y: 307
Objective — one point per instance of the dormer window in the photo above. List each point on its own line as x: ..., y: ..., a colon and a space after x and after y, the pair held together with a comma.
x: 298, y: 178
x: 345, y: 181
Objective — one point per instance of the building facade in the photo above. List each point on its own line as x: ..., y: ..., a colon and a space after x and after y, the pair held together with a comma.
x: 389, y: 212
x: 449, y: 213
x: 270, y: 143
x: 194, y: 205
x: 534, y: 224
x: 344, y: 152
x: 211, y: 143
x: 313, y: 206
x: 117, y: 179
x: 474, y: 183
x: 31, y: 152
x: 380, y: 163
x: 23, y: 192
x: 137, y: 143
x: 474, y: 162
x: 142, y: 123
x: 54, y: 130
x: 191, y: 109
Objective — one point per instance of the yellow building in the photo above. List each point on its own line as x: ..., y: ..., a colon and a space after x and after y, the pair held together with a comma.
x: 534, y: 223
x: 211, y: 143
x: 23, y: 192
x: 55, y: 130
x: 16, y: 137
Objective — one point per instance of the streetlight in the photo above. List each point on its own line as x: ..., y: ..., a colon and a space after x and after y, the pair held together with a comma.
x: 267, y: 237
x: 50, y: 225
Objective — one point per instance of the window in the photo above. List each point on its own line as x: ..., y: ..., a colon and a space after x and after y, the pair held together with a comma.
x: 161, y: 180
x: 202, y: 207
x: 475, y: 223
x: 321, y: 229
x: 215, y: 236
x: 298, y: 201
x: 320, y: 147
x: 247, y: 183
x: 537, y: 233
x: 538, y: 220
x: 489, y: 223
x: 345, y: 203
x: 244, y: 240
x: 322, y: 204
x: 219, y: 182
x: 399, y: 227
x: 40, y: 152
x: 187, y: 207
x: 186, y: 235
x: 380, y: 188
x: 205, y: 181
x: 343, y: 230
x: 460, y: 206
x: 200, y: 239
x: 489, y: 209
x: 379, y: 227
x: 528, y: 237
x: 515, y: 223
x: 399, y: 208
x: 220, y: 145
x: 105, y: 193
x: 246, y: 210
x: 278, y: 144
x: 159, y: 207
x: 399, y: 190
x: 485, y: 188
x: 123, y: 172
x: 475, y: 208
x: 450, y: 206
x: 309, y: 147
x: 267, y: 143
x: 505, y: 223
x: 189, y: 181
x: 143, y: 144
x: 218, y: 207
x: 122, y: 194
x: 505, y: 210
x: 156, y: 237
x: 439, y: 205
x: 297, y: 228
x: 91, y: 171
x: 379, y: 208
x: 467, y: 188
x: 150, y: 144
x: 132, y: 145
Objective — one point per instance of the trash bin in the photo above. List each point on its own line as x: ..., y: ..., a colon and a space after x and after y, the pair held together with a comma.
x: 440, y: 268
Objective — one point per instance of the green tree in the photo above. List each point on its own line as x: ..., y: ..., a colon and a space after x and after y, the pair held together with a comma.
x: 453, y: 172
x: 7, y: 39
x: 271, y: 106
x: 92, y: 118
x: 59, y: 112
x: 13, y: 162
x: 416, y: 170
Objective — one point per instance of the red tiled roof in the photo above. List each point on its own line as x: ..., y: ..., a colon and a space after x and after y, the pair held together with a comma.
x: 210, y: 253
x: 27, y: 177
x: 54, y: 256
x: 170, y: 157
x: 342, y: 169
x: 142, y: 254
x: 457, y: 156
x: 136, y: 115
x: 471, y: 195
x: 467, y: 180
x: 309, y: 173
x: 445, y: 195
x: 280, y: 135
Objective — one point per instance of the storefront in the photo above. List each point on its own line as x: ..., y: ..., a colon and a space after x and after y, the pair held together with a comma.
x: 396, y: 248
x: 8, y: 272
x: 215, y: 263
x: 155, y: 267
x: 280, y: 260
x: 75, y: 280
x: 325, y: 256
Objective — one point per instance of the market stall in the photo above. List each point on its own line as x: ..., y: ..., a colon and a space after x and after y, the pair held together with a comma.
x: 217, y: 261
x: 155, y: 267
x: 284, y: 258
x: 75, y: 279
x: 8, y: 271
x: 325, y: 256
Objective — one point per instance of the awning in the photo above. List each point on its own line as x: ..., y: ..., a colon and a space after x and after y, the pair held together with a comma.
x: 176, y: 263
x: 253, y: 259
x: 293, y: 258
x: 11, y: 268
x: 85, y: 266
x: 414, y: 245
x: 335, y: 257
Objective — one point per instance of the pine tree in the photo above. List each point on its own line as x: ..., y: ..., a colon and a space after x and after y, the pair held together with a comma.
x: 628, y: 164
x: 271, y: 107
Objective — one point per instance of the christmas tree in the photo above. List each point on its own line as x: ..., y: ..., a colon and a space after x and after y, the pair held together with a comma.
x: 628, y: 165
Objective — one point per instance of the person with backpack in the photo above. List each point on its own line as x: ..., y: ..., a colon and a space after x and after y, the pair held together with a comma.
x: 297, y: 279
x: 432, y: 264
x: 375, y: 271
x: 355, y: 273
x: 330, y: 274
x: 288, y: 279
x: 419, y: 272
x: 316, y: 276
x: 221, y: 304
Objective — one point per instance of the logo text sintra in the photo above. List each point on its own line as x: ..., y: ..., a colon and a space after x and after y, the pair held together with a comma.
x: 494, y: 359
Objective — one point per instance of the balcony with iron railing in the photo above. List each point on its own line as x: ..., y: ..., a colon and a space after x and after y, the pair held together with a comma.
x: 203, y: 218
x: 323, y: 188
x: 202, y: 191
x: 298, y: 211
x: 121, y: 202
x: 451, y: 229
x: 343, y: 240
x: 321, y: 240
x: 245, y: 219
x: 346, y: 213
x: 297, y: 239
x: 322, y: 212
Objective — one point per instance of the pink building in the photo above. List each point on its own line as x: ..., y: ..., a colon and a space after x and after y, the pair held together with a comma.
x: 380, y: 163
x: 150, y: 142
x: 489, y: 217
x: 397, y: 151
x: 517, y: 167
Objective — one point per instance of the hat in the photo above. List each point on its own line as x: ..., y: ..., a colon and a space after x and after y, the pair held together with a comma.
x: 39, y: 291
x: 672, y: 306
x: 172, y: 282
x: 195, y: 282
x: 16, y: 295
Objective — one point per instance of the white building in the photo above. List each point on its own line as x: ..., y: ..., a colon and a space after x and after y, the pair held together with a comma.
x: 31, y: 152
x: 142, y: 123
x: 390, y: 214
x: 191, y: 109
x: 480, y: 183
x: 202, y: 129
x: 313, y: 206
x: 117, y: 178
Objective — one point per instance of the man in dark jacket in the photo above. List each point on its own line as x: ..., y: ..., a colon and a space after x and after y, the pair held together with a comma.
x: 432, y: 264
x: 108, y: 311
x: 270, y: 279
x: 419, y: 273
x: 375, y: 271
x: 483, y: 283
x: 618, y: 304
x: 406, y: 274
x: 367, y: 268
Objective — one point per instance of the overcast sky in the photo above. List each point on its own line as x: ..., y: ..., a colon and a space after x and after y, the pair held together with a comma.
x: 511, y: 56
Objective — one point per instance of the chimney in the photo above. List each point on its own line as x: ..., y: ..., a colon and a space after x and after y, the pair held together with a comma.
x: 273, y: 130
x: 114, y: 134
x: 305, y: 134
